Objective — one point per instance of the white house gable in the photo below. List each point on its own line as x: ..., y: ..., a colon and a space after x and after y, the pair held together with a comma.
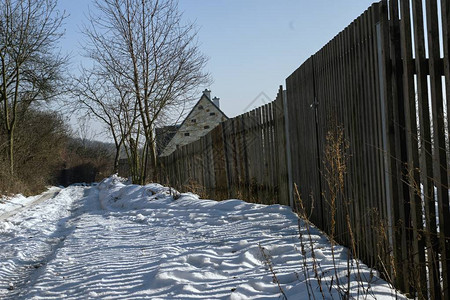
x: 205, y: 115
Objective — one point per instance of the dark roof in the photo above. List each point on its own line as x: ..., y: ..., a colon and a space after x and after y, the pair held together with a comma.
x: 164, y: 135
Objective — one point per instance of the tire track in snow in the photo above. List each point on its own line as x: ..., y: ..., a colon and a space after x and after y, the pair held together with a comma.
x: 39, y: 229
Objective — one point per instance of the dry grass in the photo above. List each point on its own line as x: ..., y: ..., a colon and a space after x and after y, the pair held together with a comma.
x: 266, y: 259
x: 193, y: 186
x: 334, y: 174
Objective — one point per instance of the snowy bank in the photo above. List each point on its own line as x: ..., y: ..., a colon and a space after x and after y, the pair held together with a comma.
x: 123, y: 241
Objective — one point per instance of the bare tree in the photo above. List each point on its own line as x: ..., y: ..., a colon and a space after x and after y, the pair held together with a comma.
x: 30, y: 69
x: 106, y: 101
x: 156, y: 55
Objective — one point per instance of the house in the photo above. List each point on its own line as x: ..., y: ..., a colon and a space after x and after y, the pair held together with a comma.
x: 204, y: 116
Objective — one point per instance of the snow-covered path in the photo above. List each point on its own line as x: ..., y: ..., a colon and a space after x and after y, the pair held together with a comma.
x: 131, y: 242
x: 30, y: 237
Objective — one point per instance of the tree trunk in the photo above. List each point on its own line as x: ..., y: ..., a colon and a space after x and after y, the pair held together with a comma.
x: 118, y: 145
x: 116, y: 159
x: 144, y: 164
x: 11, y: 150
x: 153, y: 160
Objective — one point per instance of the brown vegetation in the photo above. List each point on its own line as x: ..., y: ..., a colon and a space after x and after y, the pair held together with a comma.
x: 45, y: 154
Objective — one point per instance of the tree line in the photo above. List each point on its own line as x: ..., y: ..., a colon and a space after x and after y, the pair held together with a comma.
x: 144, y: 66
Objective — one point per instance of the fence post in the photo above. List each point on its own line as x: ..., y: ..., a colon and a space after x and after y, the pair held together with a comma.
x: 290, y: 183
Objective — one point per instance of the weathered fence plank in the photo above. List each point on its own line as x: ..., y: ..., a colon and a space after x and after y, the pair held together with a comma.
x: 426, y: 164
x: 413, y: 177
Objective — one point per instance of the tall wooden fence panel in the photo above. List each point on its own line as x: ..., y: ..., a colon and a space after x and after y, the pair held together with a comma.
x: 383, y: 82
x: 418, y: 87
x: 338, y: 91
x: 302, y: 129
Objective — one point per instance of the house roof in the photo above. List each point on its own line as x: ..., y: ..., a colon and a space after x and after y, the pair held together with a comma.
x: 164, y: 135
x: 196, y: 104
x: 190, y: 113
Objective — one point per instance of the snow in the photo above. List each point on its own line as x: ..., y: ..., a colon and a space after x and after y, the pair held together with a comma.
x: 123, y: 241
x: 10, y: 204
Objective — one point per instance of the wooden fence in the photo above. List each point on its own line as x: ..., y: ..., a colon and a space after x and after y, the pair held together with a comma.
x: 381, y: 84
x: 338, y: 90
x: 244, y: 157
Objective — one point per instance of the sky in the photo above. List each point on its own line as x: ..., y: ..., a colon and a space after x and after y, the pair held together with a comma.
x: 252, y: 45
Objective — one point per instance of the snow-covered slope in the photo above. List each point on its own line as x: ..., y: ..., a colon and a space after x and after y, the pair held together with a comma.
x: 119, y: 241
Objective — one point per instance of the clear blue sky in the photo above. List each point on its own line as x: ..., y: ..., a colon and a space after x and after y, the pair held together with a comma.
x: 252, y: 45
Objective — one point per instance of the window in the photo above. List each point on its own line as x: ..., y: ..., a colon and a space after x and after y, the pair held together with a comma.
x: 186, y: 134
x: 193, y: 120
x: 200, y: 107
x: 212, y: 114
x: 206, y: 127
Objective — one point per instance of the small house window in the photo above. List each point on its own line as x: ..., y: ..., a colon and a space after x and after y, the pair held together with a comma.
x: 193, y: 120
x: 186, y: 134
x: 200, y: 107
x: 206, y: 127
x: 212, y: 114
